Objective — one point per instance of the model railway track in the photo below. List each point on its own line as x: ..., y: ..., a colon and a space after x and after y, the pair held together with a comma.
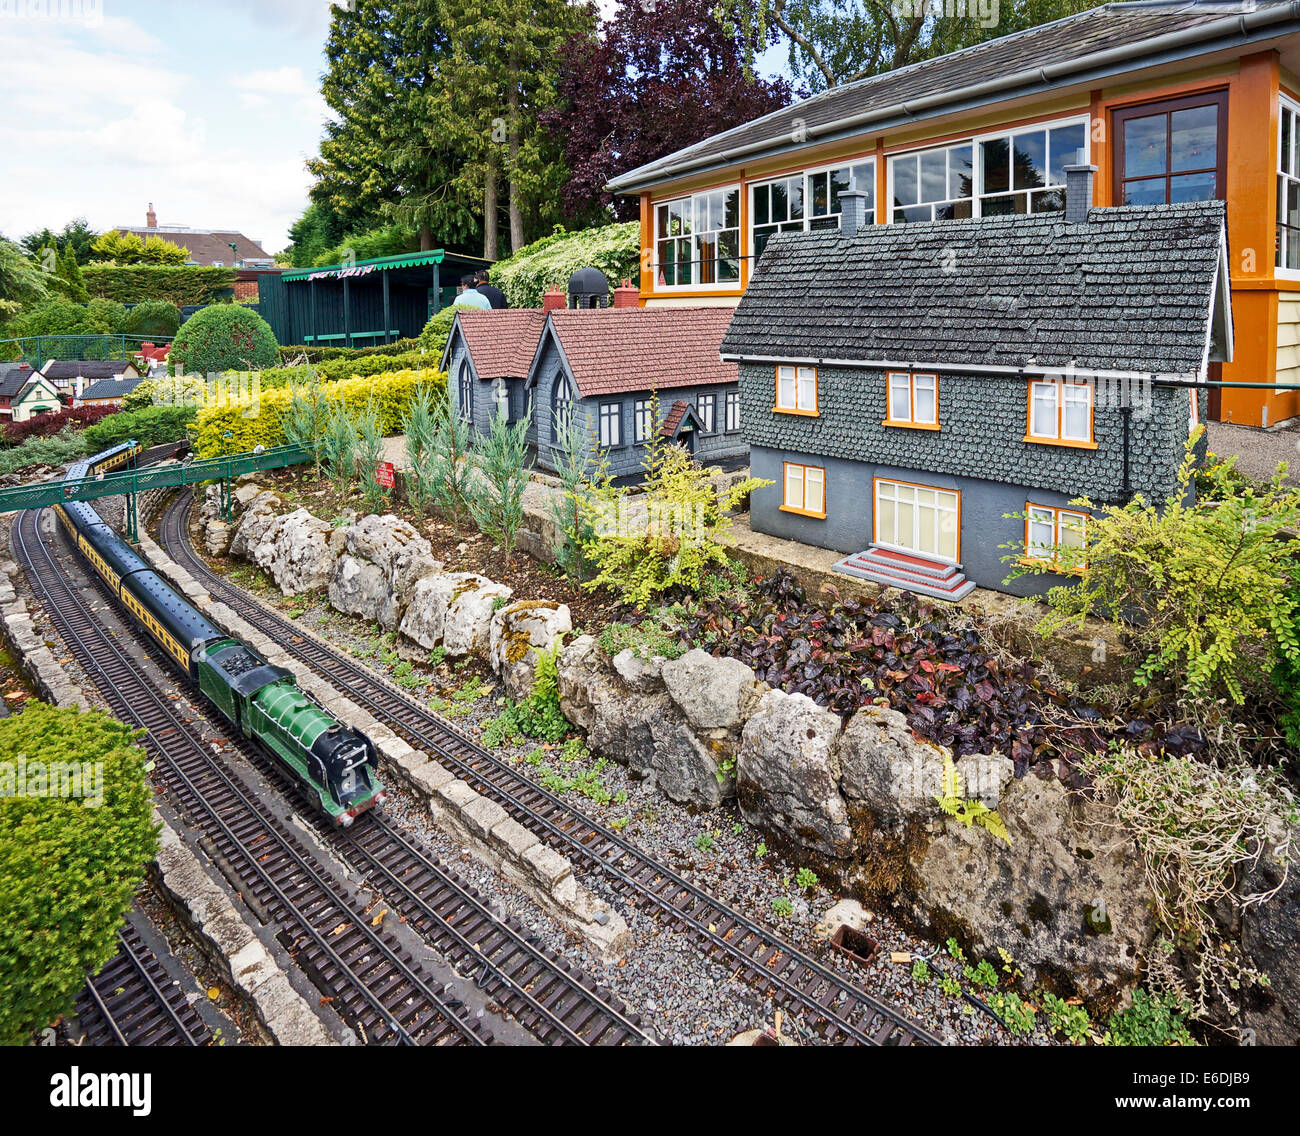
x: 837, y: 1009
x: 543, y: 991
x: 373, y: 982
x: 133, y: 1001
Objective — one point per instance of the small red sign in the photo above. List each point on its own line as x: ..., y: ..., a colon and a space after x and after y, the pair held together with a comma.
x: 385, y: 475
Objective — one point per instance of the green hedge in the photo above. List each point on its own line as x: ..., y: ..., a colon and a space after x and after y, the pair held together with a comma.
x: 135, y: 283
x: 68, y: 869
x: 331, y: 370
x: 153, y: 317
x: 548, y: 263
x: 252, y: 424
x: 296, y: 352
x: 149, y: 426
x: 223, y: 337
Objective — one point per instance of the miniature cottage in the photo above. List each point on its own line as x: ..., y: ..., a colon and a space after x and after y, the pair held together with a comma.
x: 608, y: 366
x: 923, y: 396
x: 487, y: 359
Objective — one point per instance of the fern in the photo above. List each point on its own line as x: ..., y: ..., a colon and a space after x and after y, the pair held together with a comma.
x: 953, y: 804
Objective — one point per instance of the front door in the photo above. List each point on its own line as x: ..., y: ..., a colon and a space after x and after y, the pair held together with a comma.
x: 918, y: 519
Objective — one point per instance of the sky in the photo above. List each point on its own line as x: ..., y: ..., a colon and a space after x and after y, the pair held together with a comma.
x: 206, y: 108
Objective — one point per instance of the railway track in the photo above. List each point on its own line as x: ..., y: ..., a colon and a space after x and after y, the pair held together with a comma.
x: 133, y: 1001
x: 545, y: 993
x: 836, y: 1008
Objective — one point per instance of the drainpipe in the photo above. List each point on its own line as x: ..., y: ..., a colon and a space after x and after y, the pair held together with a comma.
x: 1125, y: 417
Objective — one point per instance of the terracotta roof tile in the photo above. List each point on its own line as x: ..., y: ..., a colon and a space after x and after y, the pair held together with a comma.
x: 621, y: 350
x: 502, y: 341
x: 674, y: 418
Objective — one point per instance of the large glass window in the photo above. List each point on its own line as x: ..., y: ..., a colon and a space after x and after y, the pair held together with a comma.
x: 1024, y: 172
x: 934, y: 185
x: 697, y: 239
x: 1171, y: 151
x: 1288, y: 187
x: 809, y: 200
x: 918, y: 518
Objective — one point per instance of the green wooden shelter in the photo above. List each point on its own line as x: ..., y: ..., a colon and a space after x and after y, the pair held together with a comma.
x: 365, y: 303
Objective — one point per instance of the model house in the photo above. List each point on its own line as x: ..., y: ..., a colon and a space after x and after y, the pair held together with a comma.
x: 924, y: 395
x: 71, y: 376
x: 1172, y: 103
x: 605, y: 365
x: 107, y: 392
x: 34, y: 397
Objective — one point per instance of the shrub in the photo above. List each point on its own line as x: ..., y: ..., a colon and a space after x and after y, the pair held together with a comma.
x: 107, y: 316
x: 150, y: 426
x: 68, y: 871
x: 1149, y: 1021
x: 548, y: 263
x: 421, y: 434
x: 54, y: 316
x: 167, y: 390
x: 497, y: 499
x: 339, y: 446
x: 182, y: 285
x: 331, y: 370
x: 436, y: 332
x: 679, y: 542
x: 56, y: 451
x: 153, y: 318
x: 1201, y: 587
x: 43, y: 425
x: 261, y: 421
x: 302, y: 353
x: 223, y: 337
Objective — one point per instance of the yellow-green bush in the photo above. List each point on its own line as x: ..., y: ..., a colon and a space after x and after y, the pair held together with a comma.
x: 252, y: 422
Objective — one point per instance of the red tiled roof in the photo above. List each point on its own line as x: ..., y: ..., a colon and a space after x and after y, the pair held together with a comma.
x: 501, y: 341
x: 620, y: 350
x: 674, y: 418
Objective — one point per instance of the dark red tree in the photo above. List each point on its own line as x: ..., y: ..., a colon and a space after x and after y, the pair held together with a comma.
x: 660, y: 75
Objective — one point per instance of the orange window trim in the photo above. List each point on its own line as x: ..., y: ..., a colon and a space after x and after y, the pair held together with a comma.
x: 910, y: 423
x: 1052, y: 562
x: 784, y: 508
x: 875, y: 481
x: 1047, y: 440
x: 777, y: 408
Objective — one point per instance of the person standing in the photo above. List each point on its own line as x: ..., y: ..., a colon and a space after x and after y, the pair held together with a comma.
x: 469, y: 295
x: 494, y: 294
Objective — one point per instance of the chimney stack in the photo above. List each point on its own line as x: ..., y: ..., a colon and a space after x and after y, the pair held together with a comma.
x: 553, y: 300
x: 853, y: 211
x: 627, y: 296
x: 1078, y: 189
x: 151, y: 218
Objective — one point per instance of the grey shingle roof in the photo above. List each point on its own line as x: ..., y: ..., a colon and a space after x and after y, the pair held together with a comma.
x: 1130, y: 290
x: 111, y: 388
x: 13, y: 377
x: 63, y: 370
x: 1031, y: 54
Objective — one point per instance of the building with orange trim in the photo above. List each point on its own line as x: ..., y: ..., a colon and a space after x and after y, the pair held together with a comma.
x: 1172, y: 102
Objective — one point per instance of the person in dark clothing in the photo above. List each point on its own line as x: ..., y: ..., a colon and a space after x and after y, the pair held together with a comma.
x: 491, y: 291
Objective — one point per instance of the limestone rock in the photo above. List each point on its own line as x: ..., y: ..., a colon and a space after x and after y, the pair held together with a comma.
x: 518, y: 634
x: 451, y: 608
x: 787, y: 773
x: 402, y: 556
x: 298, y: 551
x: 359, y: 587
x: 640, y: 674
x: 1067, y: 897
x: 889, y: 771
x: 216, y: 537
x: 257, y: 518
x: 245, y: 493
x: 712, y: 693
x: 1268, y: 939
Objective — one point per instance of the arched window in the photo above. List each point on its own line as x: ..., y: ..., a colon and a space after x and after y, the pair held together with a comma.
x: 562, y: 398
x: 466, y: 390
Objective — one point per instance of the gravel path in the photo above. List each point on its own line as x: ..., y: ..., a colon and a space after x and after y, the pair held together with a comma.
x: 1258, y: 451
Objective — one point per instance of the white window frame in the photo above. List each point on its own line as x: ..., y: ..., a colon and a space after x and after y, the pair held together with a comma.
x: 807, y: 222
x: 706, y: 406
x: 1056, y: 518
x: 940, y: 512
x: 1284, y: 240
x: 611, y: 424
x: 801, y: 379
x: 909, y: 381
x: 1059, y: 388
x: 732, y: 420
x: 803, y: 480
x: 642, y: 420
x: 693, y: 236
x: 977, y: 163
